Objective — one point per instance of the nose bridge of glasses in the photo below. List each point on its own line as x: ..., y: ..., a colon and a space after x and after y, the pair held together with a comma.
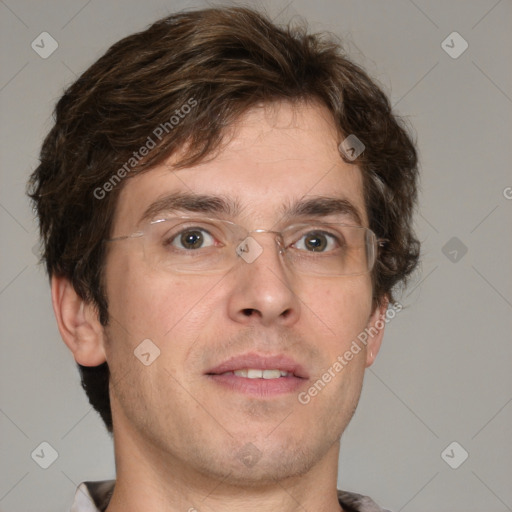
x: 249, y: 244
x: 278, y: 237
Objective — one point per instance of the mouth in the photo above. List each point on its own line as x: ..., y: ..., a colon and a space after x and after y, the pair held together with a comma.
x: 261, y: 376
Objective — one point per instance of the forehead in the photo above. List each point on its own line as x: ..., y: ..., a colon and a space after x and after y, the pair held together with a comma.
x: 274, y: 156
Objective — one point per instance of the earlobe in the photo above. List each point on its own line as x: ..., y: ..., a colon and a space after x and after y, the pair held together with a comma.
x: 375, y: 329
x: 78, y: 323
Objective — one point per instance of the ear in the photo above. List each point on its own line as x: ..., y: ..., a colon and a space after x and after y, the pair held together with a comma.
x: 376, y: 324
x: 78, y: 323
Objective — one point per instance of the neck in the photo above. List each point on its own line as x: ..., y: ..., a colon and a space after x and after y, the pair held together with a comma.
x: 150, y: 479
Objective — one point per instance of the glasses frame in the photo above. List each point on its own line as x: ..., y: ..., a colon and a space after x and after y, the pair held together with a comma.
x: 376, y: 242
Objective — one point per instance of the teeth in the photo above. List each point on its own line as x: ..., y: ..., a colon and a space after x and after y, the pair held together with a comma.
x: 253, y: 373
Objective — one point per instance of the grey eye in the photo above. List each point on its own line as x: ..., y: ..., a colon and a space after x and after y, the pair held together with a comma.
x: 317, y: 241
x: 192, y: 239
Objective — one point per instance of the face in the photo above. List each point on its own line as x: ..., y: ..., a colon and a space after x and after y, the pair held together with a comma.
x: 179, y: 410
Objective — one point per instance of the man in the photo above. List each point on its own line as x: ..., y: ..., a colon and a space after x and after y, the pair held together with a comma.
x: 226, y: 209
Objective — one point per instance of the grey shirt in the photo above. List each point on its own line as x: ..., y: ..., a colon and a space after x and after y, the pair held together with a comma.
x: 95, y: 496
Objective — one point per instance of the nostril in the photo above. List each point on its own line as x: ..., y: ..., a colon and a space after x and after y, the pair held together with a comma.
x: 248, y: 311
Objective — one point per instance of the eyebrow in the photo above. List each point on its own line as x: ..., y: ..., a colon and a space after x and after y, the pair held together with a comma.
x: 323, y: 206
x: 188, y: 202
x: 182, y: 202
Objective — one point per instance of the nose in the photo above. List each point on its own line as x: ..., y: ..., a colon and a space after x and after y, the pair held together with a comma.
x: 263, y: 288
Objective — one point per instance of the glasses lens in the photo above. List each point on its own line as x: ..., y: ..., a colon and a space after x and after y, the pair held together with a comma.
x: 188, y: 245
x: 330, y: 249
x: 199, y: 246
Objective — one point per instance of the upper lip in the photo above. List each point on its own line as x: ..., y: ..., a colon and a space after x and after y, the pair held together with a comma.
x: 252, y: 360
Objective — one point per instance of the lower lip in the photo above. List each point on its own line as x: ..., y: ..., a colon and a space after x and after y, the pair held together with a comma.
x: 259, y: 387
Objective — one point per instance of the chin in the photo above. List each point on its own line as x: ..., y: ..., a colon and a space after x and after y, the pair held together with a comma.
x: 250, y: 466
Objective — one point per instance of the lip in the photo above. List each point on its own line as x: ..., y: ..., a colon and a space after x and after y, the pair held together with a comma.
x: 252, y: 360
x: 260, y: 388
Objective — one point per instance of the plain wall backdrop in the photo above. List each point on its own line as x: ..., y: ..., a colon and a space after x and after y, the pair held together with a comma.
x: 443, y: 374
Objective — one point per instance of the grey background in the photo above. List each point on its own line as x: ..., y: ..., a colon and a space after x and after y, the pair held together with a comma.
x: 443, y: 374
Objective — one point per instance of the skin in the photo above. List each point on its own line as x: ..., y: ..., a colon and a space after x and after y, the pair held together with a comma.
x: 178, y: 436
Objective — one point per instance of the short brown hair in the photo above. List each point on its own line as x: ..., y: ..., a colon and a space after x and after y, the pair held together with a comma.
x: 227, y: 60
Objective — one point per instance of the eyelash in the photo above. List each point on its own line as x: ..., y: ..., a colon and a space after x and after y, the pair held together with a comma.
x: 170, y: 239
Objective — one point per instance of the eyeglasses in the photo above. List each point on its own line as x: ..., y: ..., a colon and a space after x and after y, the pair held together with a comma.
x: 198, y: 245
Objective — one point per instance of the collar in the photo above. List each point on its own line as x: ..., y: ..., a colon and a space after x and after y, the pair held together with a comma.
x: 95, y: 496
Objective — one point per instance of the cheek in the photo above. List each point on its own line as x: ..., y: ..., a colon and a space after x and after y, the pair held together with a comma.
x: 155, y: 305
x: 342, y: 305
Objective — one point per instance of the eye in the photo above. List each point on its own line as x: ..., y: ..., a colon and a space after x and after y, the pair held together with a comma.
x: 192, y: 239
x: 317, y: 241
